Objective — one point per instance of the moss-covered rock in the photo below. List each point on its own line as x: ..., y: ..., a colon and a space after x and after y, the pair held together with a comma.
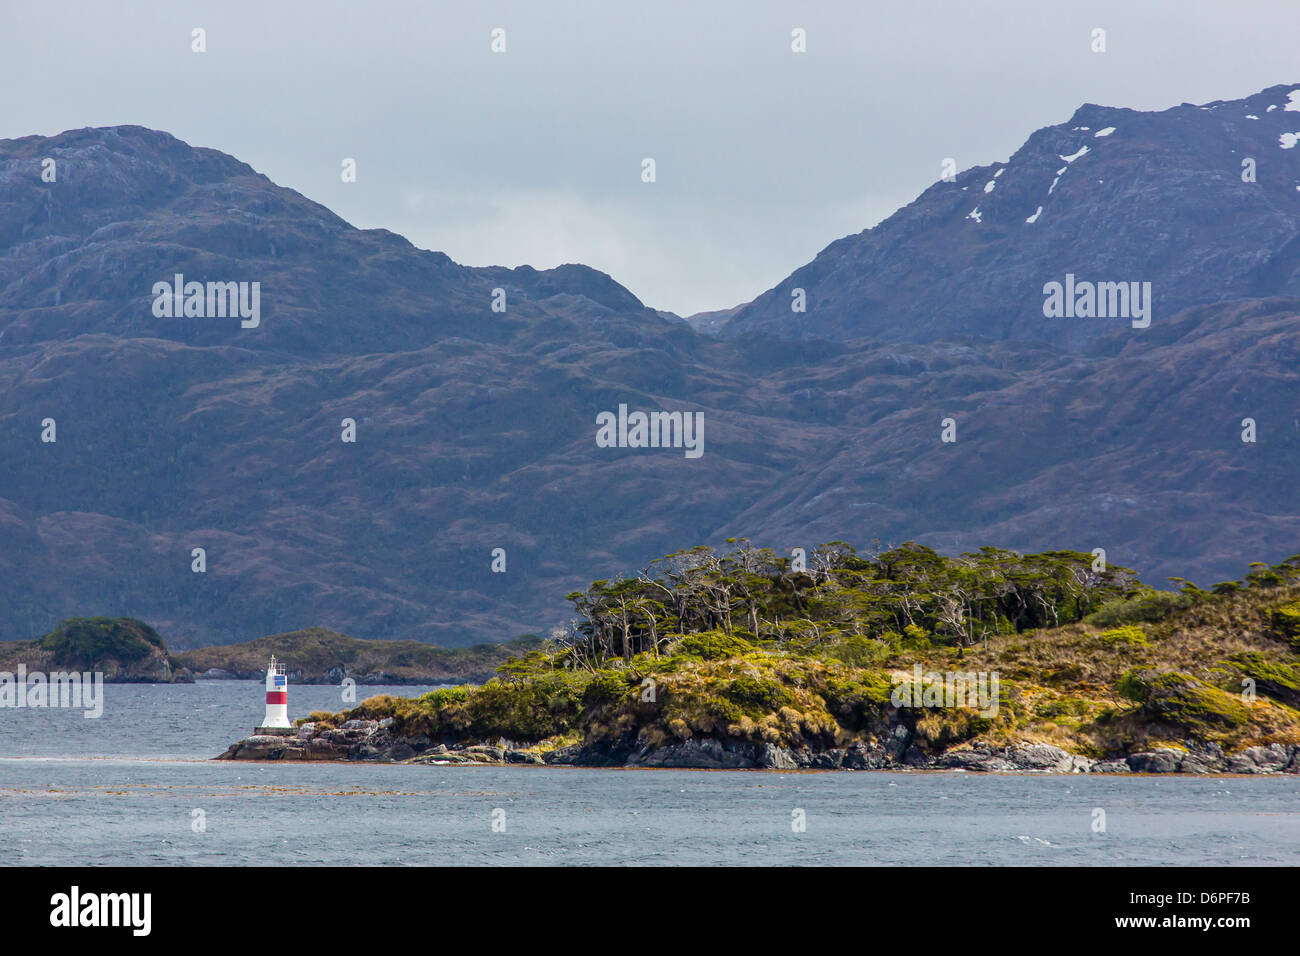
x: 1202, y: 712
x: 1278, y: 680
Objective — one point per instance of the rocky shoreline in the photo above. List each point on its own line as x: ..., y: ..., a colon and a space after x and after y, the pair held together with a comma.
x: 370, y: 740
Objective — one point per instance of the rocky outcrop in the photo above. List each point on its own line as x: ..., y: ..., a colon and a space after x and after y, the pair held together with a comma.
x: 1270, y: 759
x: 481, y: 754
x: 1038, y: 758
x: 1274, y: 758
x: 367, y: 740
x: 704, y: 754
x: 1110, y: 766
x: 370, y: 740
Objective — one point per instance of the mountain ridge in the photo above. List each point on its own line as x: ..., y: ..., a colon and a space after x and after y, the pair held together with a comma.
x: 882, y: 272
x: 475, y: 429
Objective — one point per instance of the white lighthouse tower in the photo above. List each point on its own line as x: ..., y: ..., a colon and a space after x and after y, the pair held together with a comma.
x: 277, y: 700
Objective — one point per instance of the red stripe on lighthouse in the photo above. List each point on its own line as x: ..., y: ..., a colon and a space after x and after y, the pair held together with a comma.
x: 277, y: 697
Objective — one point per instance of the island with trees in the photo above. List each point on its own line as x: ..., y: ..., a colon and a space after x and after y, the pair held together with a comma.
x: 839, y: 659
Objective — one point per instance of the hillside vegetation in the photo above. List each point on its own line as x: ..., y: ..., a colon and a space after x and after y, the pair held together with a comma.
x: 747, y: 649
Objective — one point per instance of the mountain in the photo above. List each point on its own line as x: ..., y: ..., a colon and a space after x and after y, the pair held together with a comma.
x: 476, y: 429
x: 1111, y: 195
x: 130, y: 207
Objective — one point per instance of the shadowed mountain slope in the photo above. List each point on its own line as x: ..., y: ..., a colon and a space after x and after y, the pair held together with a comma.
x: 1111, y: 195
x: 475, y: 429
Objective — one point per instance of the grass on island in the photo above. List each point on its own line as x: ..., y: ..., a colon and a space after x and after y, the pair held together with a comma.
x: 747, y: 647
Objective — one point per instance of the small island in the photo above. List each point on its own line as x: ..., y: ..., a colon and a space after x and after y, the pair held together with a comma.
x: 122, y: 649
x: 899, y: 659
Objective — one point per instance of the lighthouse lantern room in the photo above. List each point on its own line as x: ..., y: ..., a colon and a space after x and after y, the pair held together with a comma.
x: 277, y: 701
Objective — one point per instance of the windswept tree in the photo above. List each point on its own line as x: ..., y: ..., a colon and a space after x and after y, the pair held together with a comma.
x: 757, y: 594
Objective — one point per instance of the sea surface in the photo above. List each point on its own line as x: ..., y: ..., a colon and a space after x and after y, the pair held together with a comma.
x: 138, y: 787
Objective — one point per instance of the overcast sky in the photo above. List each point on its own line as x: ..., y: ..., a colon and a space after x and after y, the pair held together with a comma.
x: 534, y: 156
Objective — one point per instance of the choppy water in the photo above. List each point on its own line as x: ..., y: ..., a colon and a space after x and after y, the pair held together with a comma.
x: 124, y: 789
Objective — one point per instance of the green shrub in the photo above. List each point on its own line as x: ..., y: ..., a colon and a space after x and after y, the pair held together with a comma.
x: 444, y: 696
x: 535, y: 710
x: 858, y: 649
x: 722, y: 711
x: 1148, y: 606
x: 856, y: 701
x: 713, y: 646
x: 607, y: 687
x: 1286, y: 622
x: 1131, y: 686
x: 1129, y: 635
x: 915, y: 638
x: 1262, y: 576
x: 756, y: 696
x: 1062, y: 707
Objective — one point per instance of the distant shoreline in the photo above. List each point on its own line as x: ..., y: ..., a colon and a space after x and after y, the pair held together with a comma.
x: 129, y: 651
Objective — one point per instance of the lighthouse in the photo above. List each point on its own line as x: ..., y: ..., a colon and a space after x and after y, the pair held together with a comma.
x: 277, y: 701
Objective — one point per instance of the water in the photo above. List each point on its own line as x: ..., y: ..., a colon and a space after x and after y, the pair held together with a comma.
x: 178, y: 721
x: 124, y: 789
